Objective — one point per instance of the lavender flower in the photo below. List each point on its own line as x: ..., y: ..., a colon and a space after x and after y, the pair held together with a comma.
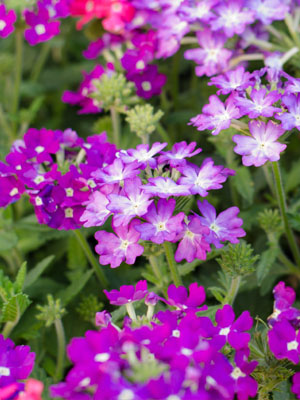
x: 177, y: 156
x: 291, y: 118
x: 260, y: 103
x: 165, y: 187
x: 237, y: 79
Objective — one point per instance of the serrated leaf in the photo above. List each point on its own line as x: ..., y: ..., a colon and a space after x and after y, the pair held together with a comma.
x: 20, y: 278
x: 34, y: 273
x: 66, y: 295
x: 217, y: 293
x: 8, y: 240
x: 267, y: 259
x: 282, y: 392
x: 243, y: 182
x: 184, y: 204
x: 14, y: 307
x: 76, y: 257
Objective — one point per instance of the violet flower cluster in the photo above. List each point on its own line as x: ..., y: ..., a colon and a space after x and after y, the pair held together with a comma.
x: 173, y: 354
x: 259, y: 98
x: 16, y: 364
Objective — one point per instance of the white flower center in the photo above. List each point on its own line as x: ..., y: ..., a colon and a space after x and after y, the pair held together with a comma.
x: 297, y: 118
x: 102, y: 357
x: 38, y: 201
x: 69, y: 192
x: 237, y: 373
x: 89, y: 6
x: 116, y: 7
x: 18, y: 167
x: 13, y: 192
x: 161, y: 226
x: 124, y: 244
x: 2, y: 24
x: 214, y: 227
x: 39, y: 149
x: 259, y: 107
x: 85, y: 92
x: 189, y: 234
x: 140, y: 64
x: 173, y: 397
x: 40, y: 29
x: 211, y: 381
x: 85, y: 382
x: 146, y: 86
x: 39, y: 179
x: 292, y: 345
x: 126, y: 394
x: 69, y: 212
x: 224, y: 331
x: 4, y: 371
x: 212, y: 54
x: 176, y: 333
x: 186, y: 352
x: 91, y: 183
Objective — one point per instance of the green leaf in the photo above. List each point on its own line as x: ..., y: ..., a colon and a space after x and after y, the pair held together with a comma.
x: 293, y: 177
x: 66, y: 295
x: 14, y: 307
x: 8, y: 240
x: 34, y: 273
x: 76, y: 256
x: 184, y: 204
x: 244, y: 184
x: 20, y: 278
x: 268, y: 258
x: 218, y: 293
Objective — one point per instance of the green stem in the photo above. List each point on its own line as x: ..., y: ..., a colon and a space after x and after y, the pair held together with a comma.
x: 115, y: 117
x: 61, y: 345
x: 90, y: 256
x: 282, y: 205
x: 18, y: 78
x: 155, y: 268
x: 8, y: 327
x: 40, y: 62
x: 289, y: 23
x: 172, y: 264
x: 233, y: 290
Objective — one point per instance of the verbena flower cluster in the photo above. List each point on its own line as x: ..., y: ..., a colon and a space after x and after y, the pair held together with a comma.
x: 16, y: 364
x: 173, y: 354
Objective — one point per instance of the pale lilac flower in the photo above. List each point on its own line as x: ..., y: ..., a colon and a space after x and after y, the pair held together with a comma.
x: 193, y: 242
x: 180, y: 151
x: 237, y: 79
x: 96, y: 212
x: 131, y: 202
x: 7, y: 20
x: 117, y: 172
x: 291, y: 118
x: 161, y: 225
x: 197, y: 10
x: 204, y: 178
x: 268, y: 11
x: 165, y: 187
x: 216, y: 115
x: 232, y: 18
x: 115, y: 249
x: 259, y: 104
x: 262, y: 146
x: 212, y: 57
x: 142, y: 154
x: 225, y: 226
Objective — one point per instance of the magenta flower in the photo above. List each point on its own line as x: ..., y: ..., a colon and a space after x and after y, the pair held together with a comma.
x: 232, y: 18
x: 225, y: 226
x: 40, y: 144
x: 236, y: 79
x: 245, y: 385
x: 284, y: 341
x: 216, y: 115
x: 131, y: 202
x: 204, y: 178
x: 296, y: 384
x: 165, y: 187
x: 212, y: 57
x: 177, y: 156
x: 231, y: 330
x: 115, y: 249
x: 7, y: 20
x: 41, y: 28
x: 11, y: 189
x: 148, y: 83
x: 135, y: 61
x: 193, y: 242
x: 161, y: 226
x: 262, y: 146
x: 127, y: 293
x: 178, y: 297
x: 259, y: 104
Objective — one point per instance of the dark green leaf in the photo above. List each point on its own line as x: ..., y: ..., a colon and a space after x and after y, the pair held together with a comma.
x: 34, y: 273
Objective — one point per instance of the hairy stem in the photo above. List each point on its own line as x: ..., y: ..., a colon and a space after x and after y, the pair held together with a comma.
x: 172, y: 264
x: 233, y: 290
x: 61, y: 344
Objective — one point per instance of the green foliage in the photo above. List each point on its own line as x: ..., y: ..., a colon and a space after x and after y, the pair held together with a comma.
x: 88, y: 307
x: 270, y: 221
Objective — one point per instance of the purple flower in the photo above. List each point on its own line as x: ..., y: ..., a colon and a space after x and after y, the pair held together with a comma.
x: 127, y: 293
x: 291, y: 118
x: 142, y: 154
x: 216, y: 115
x: 284, y: 341
x: 165, y: 187
x: 117, y: 172
x: 7, y: 20
x: 40, y: 144
x: 102, y: 318
x: 135, y: 61
x: 296, y: 384
x: 268, y: 11
x: 234, y: 331
x: 260, y: 103
x: 115, y: 249
x: 148, y: 83
x: 212, y: 57
x: 96, y: 212
x: 56, y: 8
x: 16, y: 362
x: 262, y: 146
x: 225, y: 226
x: 178, y: 297
x: 193, y: 242
x: 131, y: 202
x: 180, y: 151
x: 245, y: 385
x: 161, y: 226
x: 204, y: 178
x: 194, y: 10
x: 11, y: 189
x: 41, y: 29
x: 232, y: 18
x: 236, y: 79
